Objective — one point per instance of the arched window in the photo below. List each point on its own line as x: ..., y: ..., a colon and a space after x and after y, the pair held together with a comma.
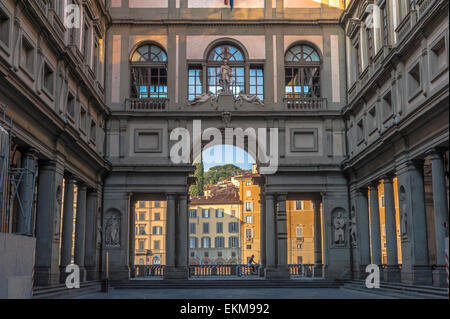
x: 149, y: 72
x: 302, y: 72
x: 235, y: 59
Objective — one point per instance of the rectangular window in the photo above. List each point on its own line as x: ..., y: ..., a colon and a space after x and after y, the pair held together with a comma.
x: 141, y: 230
x: 195, y: 79
x: 93, y: 132
x: 28, y: 53
x: 372, y: 120
x: 193, y: 242
x: 206, y: 242
x: 192, y: 228
x: 299, y: 232
x: 48, y: 79
x: 248, y: 206
x: 157, y: 204
x: 249, y: 219
x: 414, y: 84
x: 157, y: 230
x: 71, y: 105
x: 249, y: 233
x: 141, y: 204
x: 219, y: 228
x: 248, y: 193
x: 205, y: 213
x: 141, y: 216
x: 370, y: 43
x: 388, y: 110
x: 384, y: 14
x: 299, y: 205
x: 360, y: 131
x: 219, y: 213
x: 157, y: 216
x: 4, y: 28
x: 141, y: 244
x: 233, y: 242
x: 149, y: 82
x: 156, y: 245
x: 219, y: 242
x: 205, y: 228
x: 257, y: 81
x: 233, y: 227
x: 233, y: 213
x: 192, y: 213
x: 358, y: 59
x: 83, y: 119
x: 85, y: 43
x: 302, y: 82
x: 95, y: 59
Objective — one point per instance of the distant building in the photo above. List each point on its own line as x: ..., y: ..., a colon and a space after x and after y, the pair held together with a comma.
x: 214, y: 228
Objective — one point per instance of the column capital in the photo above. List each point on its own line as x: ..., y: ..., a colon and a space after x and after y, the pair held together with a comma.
x: 374, y: 184
x: 81, y: 185
x: 267, y: 195
x: 281, y: 196
x: 182, y: 196
x: 388, y: 177
x: 31, y: 152
x: 415, y: 164
x: 171, y: 196
x: 436, y: 153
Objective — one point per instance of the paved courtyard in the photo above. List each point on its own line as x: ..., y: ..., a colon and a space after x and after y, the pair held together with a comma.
x: 251, y: 293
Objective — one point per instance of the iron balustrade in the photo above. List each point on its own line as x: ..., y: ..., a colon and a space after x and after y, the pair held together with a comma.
x: 306, y: 103
x: 149, y: 270
x: 224, y: 270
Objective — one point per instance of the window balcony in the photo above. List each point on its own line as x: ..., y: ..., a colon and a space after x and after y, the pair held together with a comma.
x: 305, y: 104
x: 147, y: 105
x: 406, y: 25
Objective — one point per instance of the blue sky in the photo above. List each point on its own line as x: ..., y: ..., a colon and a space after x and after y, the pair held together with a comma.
x: 226, y: 154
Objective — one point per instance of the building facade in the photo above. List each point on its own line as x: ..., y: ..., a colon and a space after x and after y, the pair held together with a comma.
x: 357, y: 91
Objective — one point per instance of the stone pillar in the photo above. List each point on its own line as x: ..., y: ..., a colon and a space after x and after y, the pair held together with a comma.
x: 270, y: 234
x: 169, y: 271
x: 182, y: 238
x: 47, y: 250
x: 80, y: 230
x: 415, y: 266
x: 363, y: 233
x: 440, y: 215
x: 281, y: 271
x: 26, y: 190
x: 392, y: 272
x: 132, y: 236
x: 91, y: 232
x: 262, y: 234
x: 67, y: 228
x: 317, y: 240
x: 375, y: 225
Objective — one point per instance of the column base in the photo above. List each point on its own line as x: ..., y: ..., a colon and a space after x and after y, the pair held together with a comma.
x: 132, y: 271
x: 277, y: 273
x: 439, y: 277
x: 43, y: 276
x: 176, y: 273
x: 392, y: 274
x: 317, y: 271
x: 417, y: 275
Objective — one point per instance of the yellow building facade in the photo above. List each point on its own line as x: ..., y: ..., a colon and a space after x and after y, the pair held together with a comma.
x: 150, y: 233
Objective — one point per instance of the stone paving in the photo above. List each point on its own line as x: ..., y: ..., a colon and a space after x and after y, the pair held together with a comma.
x: 230, y: 293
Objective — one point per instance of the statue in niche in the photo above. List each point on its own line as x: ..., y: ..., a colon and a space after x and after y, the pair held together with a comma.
x: 205, y: 97
x: 403, y: 213
x: 225, y: 76
x: 57, y: 220
x: 254, y: 99
x: 339, y: 228
x: 112, y: 229
x: 352, y: 226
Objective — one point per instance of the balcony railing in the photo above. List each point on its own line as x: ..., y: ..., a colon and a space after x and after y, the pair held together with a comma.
x: 422, y: 6
x: 152, y: 104
x: 306, y: 103
x: 301, y: 270
x: 149, y: 270
x: 406, y: 25
x: 224, y: 270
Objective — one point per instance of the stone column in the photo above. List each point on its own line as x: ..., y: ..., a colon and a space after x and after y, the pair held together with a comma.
x: 262, y: 234
x: 281, y: 270
x: 392, y: 272
x: 375, y: 224
x: 182, y: 238
x: 270, y: 233
x: 317, y: 240
x: 440, y: 215
x: 26, y: 190
x: 80, y: 230
x: 170, y: 237
x: 47, y: 258
x: 132, y: 236
x: 363, y: 233
x: 415, y: 265
x: 91, y: 232
x: 67, y: 228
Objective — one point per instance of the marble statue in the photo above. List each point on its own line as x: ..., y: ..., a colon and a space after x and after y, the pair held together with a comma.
x: 57, y: 220
x: 205, y: 97
x: 112, y: 230
x: 254, y: 99
x: 403, y: 214
x: 225, y: 76
x: 339, y: 226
